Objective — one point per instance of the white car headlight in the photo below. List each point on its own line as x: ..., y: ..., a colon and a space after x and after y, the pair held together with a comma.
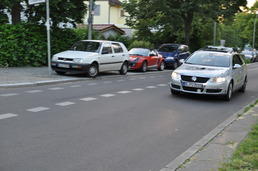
x: 78, y: 60
x: 54, y: 58
x: 175, y: 76
x: 170, y: 57
x: 218, y: 79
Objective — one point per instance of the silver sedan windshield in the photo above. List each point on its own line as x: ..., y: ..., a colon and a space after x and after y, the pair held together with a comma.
x: 209, y: 59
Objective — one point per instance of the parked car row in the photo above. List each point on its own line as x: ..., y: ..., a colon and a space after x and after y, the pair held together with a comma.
x: 96, y: 56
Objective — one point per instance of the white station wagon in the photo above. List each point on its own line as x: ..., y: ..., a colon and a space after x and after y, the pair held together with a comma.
x: 92, y: 57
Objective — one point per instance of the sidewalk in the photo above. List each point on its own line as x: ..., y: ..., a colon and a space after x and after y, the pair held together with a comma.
x: 26, y: 76
x: 220, y: 149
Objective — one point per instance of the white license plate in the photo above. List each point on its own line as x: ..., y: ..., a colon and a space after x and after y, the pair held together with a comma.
x: 63, y: 66
x: 190, y: 84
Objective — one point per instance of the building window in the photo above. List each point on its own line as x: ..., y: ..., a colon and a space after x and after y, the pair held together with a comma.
x: 122, y: 13
x: 97, y: 10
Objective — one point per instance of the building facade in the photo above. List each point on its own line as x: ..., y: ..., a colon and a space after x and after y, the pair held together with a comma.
x: 110, y: 12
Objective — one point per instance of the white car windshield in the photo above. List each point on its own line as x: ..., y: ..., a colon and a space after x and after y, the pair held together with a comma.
x: 86, y: 46
x: 209, y: 59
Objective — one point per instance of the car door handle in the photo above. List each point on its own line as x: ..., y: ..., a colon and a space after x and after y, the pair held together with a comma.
x: 123, y: 55
x: 113, y: 56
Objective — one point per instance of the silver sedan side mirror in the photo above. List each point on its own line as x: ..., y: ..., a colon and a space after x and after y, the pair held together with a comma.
x: 236, y: 66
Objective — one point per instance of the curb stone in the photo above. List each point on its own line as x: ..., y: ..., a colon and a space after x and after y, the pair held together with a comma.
x: 182, y: 159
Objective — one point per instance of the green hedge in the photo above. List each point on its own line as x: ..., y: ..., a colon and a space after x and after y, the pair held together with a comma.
x: 26, y: 45
x: 141, y: 44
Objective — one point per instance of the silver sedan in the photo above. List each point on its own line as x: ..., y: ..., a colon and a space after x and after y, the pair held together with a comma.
x: 210, y: 73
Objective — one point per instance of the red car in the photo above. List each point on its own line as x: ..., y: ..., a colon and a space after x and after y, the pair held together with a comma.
x: 143, y: 59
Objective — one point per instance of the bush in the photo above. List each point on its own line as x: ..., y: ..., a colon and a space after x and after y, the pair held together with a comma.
x: 125, y: 40
x: 26, y: 45
x: 141, y: 44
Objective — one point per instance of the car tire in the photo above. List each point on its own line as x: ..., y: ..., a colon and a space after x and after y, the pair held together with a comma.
x: 243, y: 88
x: 144, y: 66
x: 175, y: 65
x: 60, y: 72
x: 161, y: 66
x: 174, y: 92
x: 93, y: 70
x: 124, y: 69
x: 228, y: 96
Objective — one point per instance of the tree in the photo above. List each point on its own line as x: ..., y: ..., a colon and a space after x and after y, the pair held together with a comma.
x: 71, y: 11
x: 178, y: 13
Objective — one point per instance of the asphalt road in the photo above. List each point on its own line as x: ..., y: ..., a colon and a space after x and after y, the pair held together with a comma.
x: 129, y: 123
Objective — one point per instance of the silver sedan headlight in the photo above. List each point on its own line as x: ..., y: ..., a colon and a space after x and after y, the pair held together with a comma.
x: 175, y: 76
x: 218, y: 79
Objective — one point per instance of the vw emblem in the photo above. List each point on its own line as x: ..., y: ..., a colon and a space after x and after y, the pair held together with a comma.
x: 194, y: 79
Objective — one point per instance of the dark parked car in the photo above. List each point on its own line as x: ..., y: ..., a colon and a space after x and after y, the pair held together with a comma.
x: 173, y: 53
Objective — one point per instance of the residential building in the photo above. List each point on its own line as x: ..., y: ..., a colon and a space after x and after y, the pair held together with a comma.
x: 110, y: 12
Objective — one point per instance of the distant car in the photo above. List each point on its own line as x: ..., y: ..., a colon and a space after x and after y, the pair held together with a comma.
x: 173, y: 53
x: 211, y: 73
x: 92, y: 57
x: 143, y: 59
x: 250, y: 54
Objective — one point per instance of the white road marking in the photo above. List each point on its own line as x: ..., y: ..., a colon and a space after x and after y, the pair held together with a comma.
x: 38, y: 109
x: 142, y: 78
x: 91, y: 84
x: 107, y: 95
x: 124, y: 92
x: 65, y: 103
x: 9, y: 94
x: 75, y: 86
x: 162, y: 85
x: 152, y: 76
x: 34, y: 91
x: 138, y: 89
x: 56, y: 88
x: 7, y: 115
x: 131, y: 79
x: 87, y: 99
x: 151, y: 87
x: 107, y: 82
x: 120, y: 80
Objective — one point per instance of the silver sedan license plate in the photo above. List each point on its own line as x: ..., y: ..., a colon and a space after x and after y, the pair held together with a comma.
x: 63, y: 66
x: 191, y: 84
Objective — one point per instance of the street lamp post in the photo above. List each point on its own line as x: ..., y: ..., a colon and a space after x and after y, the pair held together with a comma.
x: 214, y: 33
x: 90, y: 19
x: 254, y: 29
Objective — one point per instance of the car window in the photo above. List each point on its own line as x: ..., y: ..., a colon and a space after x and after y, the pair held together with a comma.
x: 209, y: 59
x: 86, y: 46
x: 117, y: 48
x: 186, y: 48
x: 237, y: 60
x: 168, y: 48
x: 107, y: 49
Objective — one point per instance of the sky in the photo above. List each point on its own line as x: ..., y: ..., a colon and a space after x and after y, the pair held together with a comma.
x: 250, y: 2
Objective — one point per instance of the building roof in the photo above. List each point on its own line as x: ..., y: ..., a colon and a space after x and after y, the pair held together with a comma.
x: 106, y: 27
x: 115, y: 2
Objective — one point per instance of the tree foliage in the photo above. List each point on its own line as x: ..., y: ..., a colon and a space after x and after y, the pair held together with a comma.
x: 69, y: 11
x: 61, y: 11
x: 176, y: 16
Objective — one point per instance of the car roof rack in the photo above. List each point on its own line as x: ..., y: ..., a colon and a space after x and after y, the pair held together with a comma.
x: 220, y: 49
